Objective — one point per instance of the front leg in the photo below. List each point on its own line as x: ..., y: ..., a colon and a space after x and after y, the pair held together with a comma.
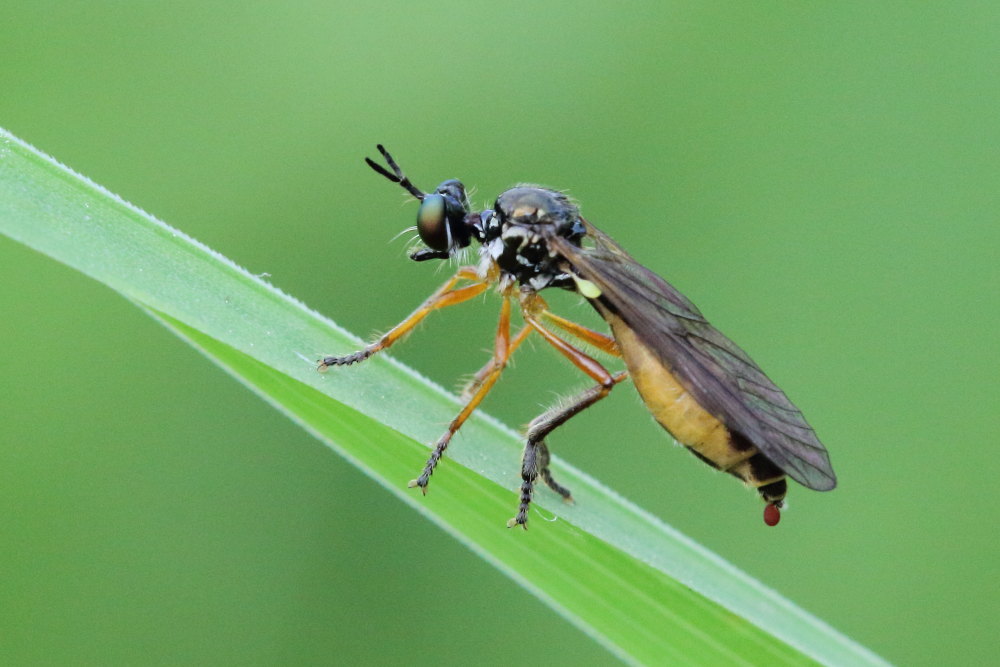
x: 446, y: 295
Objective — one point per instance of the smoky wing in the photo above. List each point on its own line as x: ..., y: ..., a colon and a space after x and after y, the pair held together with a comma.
x: 720, y: 375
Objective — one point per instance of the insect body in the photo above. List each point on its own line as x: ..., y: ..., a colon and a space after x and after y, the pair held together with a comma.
x: 702, y: 388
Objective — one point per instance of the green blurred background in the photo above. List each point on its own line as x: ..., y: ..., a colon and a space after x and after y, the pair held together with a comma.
x: 821, y: 180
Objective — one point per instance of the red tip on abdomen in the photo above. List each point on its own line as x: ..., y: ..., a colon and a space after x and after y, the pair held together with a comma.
x: 772, y: 515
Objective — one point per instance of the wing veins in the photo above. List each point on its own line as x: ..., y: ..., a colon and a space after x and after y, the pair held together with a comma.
x: 627, y: 288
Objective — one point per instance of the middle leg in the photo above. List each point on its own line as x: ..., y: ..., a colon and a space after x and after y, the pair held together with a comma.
x: 504, y: 346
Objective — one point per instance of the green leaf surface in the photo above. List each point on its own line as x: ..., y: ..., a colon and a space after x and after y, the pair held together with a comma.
x: 629, y: 581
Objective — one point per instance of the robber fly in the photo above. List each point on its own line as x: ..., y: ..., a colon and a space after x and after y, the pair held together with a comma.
x: 702, y: 388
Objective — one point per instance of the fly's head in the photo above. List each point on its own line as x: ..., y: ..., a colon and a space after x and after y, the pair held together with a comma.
x: 515, y: 234
x: 441, y: 220
x: 444, y: 222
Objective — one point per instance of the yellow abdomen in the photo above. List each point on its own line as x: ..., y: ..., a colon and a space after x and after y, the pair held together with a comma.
x: 673, y: 406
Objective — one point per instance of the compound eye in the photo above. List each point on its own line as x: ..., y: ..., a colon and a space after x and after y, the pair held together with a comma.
x: 432, y: 222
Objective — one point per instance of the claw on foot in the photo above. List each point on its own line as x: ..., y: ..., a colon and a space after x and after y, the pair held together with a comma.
x: 413, y: 483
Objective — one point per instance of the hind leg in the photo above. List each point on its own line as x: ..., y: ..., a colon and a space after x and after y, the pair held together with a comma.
x: 535, y: 461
